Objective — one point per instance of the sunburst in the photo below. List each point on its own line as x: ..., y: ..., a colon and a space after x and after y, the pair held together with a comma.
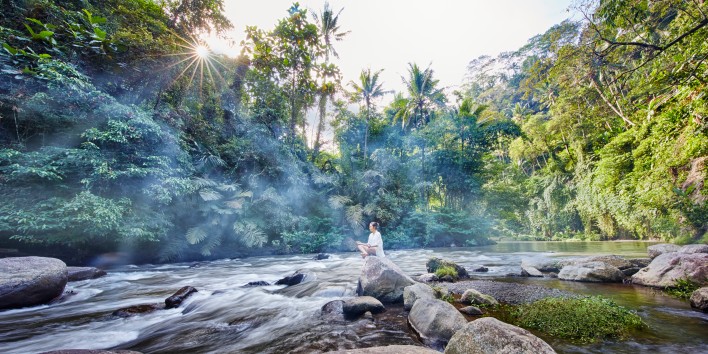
x: 199, y: 62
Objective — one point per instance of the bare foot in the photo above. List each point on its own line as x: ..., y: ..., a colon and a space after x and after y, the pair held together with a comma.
x: 363, y: 255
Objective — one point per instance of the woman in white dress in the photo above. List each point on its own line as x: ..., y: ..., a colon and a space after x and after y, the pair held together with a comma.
x: 374, y: 245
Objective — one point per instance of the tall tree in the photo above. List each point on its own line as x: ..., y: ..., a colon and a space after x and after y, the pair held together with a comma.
x: 423, y: 97
x: 367, y: 89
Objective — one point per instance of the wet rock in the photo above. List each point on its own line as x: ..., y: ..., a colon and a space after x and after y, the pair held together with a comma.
x: 595, y: 272
x: 656, y: 250
x: 699, y: 299
x: 694, y: 249
x: 491, y: 336
x: 474, y: 297
x: 543, y: 264
x: 332, y: 291
x: 28, y: 281
x: 428, y: 278
x: 176, y: 299
x: 321, y: 256
x: 138, y: 310
x: 296, y: 278
x: 506, y: 292
x: 435, y: 321
x: 415, y: 292
x: 615, y: 261
x: 357, y: 306
x: 640, y: 262
x: 391, y: 349
x: 480, y: 269
x: 252, y: 284
x: 382, y: 279
x: 472, y: 311
x: 666, y: 268
x: 434, y: 263
x: 530, y: 272
x: 335, y: 307
x: 90, y: 351
x: 84, y: 273
x: 448, y: 278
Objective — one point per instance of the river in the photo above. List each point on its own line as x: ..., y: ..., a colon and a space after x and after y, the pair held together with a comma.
x: 224, y: 317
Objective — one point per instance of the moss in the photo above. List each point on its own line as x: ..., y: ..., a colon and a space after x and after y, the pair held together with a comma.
x: 446, y: 270
x: 584, y: 319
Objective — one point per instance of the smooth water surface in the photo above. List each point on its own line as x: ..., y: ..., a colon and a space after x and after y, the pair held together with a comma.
x: 224, y: 317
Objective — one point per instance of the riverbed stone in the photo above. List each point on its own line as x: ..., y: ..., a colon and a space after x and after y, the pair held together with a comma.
x: 252, y: 284
x: 543, y: 264
x: 656, y: 250
x: 530, y: 272
x: 490, y: 336
x: 382, y: 279
x: 415, y: 292
x: 474, y: 297
x: 471, y: 310
x: 177, y: 298
x: 29, y: 281
x: 91, y: 351
x: 699, y: 299
x: 296, y: 278
x: 138, y: 310
x: 435, y: 321
x: 595, y: 272
x: 359, y: 305
x: 390, y: 349
x: 428, y: 278
x: 333, y: 308
x: 697, y: 248
x: 666, y: 268
x: 480, y: 269
x: 434, y: 263
x: 84, y: 273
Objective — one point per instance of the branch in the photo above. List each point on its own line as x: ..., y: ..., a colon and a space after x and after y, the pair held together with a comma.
x: 618, y: 112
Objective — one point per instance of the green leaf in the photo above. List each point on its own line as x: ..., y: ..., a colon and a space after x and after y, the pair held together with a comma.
x: 195, y: 235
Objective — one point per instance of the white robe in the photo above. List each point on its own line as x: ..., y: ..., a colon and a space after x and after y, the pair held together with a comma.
x: 375, y: 240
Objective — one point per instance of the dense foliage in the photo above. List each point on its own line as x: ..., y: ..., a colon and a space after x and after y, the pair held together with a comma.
x: 118, y: 133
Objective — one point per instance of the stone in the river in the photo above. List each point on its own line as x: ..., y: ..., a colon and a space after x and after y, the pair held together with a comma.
x: 665, y: 269
x: 615, y: 261
x: 474, y: 297
x: 84, y: 273
x: 391, y: 349
x: 91, y: 351
x: 321, y: 256
x: 256, y: 283
x: 530, y: 272
x: 697, y: 248
x: 490, y: 336
x: 176, y: 299
x: 428, y: 278
x: 414, y: 292
x: 357, y: 306
x: 297, y: 278
x: 699, y: 299
x: 435, y: 321
x: 656, y: 250
x: 28, y: 281
x: 543, y: 264
x: 335, y: 308
x: 138, y: 310
x: 382, y: 279
x: 472, y: 311
x: 480, y: 269
x: 596, y: 272
x: 434, y: 263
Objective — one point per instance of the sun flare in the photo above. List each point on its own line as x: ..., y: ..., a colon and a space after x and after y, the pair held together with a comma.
x: 202, y: 51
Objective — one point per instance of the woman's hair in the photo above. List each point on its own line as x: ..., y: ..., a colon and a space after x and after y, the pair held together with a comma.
x: 375, y: 224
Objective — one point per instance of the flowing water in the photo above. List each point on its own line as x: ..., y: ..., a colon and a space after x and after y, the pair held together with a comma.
x: 224, y: 317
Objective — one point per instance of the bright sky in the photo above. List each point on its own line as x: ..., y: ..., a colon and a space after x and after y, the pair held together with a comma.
x: 388, y: 34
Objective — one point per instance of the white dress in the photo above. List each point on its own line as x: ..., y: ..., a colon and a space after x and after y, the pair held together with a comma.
x: 375, y: 240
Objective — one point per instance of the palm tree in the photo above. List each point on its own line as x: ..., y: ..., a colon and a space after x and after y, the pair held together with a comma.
x: 329, y: 29
x: 423, y: 96
x: 367, y: 90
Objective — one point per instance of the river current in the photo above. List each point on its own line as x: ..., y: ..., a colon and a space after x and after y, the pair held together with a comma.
x: 225, y: 317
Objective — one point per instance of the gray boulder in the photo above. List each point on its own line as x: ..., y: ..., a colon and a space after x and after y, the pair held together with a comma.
x: 84, y: 273
x: 615, y: 261
x: 428, y: 278
x: 357, y: 306
x: 699, y: 299
x: 530, y: 272
x: 471, y: 310
x: 656, y: 250
x: 414, y: 292
x: 434, y: 263
x: 474, y: 297
x: 698, y: 248
x: 28, y: 281
x: 665, y: 269
x: 333, y: 308
x: 177, y: 298
x: 490, y: 336
x: 435, y: 321
x: 596, y: 272
x: 543, y: 264
x: 382, y: 279
x: 391, y: 349
x: 138, y: 310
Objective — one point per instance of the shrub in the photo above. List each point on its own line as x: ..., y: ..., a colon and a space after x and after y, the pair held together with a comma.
x: 683, y: 289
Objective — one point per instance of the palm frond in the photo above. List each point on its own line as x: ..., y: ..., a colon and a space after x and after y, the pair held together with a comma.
x: 249, y: 234
x: 195, y: 235
x: 337, y: 202
x: 210, y: 195
x: 355, y: 216
x: 210, y: 244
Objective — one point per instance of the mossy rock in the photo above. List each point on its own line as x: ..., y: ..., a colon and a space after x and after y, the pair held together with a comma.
x: 435, y: 263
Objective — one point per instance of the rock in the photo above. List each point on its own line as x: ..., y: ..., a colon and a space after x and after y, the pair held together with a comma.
x: 666, y: 268
x: 428, y: 278
x: 176, y: 299
x: 84, y: 273
x: 335, y: 307
x: 256, y: 283
x: 615, y: 261
x: 391, y: 349
x: 628, y: 272
x: 530, y: 272
x: 472, y: 311
x: 138, y: 310
x: 448, y: 278
x: 296, y: 278
x: 474, y: 297
x: 28, y: 281
x: 321, y: 256
x: 357, y: 306
x: 656, y: 250
x: 414, y: 292
x: 434, y: 263
x: 640, y: 262
x: 490, y: 336
x: 330, y: 290
x: 382, y: 279
x: 694, y: 249
x: 435, y: 320
x: 596, y: 272
x: 699, y: 299
x: 480, y: 269
x: 543, y: 264
x: 90, y: 351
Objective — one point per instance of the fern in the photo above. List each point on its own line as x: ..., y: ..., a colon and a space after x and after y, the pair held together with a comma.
x: 337, y: 202
x: 210, y: 244
x: 249, y: 234
x: 355, y: 216
x: 195, y: 235
x: 210, y: 195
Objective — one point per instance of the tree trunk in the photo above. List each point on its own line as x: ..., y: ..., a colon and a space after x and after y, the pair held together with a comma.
x: 320, y: 127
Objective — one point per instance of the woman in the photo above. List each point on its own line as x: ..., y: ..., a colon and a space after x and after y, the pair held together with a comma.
x: 374, y: 245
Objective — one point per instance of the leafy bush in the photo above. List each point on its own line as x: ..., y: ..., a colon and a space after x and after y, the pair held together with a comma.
x: 584, y: 319
x: 683, y: 289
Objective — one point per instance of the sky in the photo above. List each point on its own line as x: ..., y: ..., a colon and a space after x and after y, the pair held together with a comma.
x: 389, y: 34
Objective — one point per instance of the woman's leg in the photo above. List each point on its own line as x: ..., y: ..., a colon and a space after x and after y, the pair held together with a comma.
x: 364, y: 250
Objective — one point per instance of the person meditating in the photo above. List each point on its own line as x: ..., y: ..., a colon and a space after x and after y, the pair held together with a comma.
x: 374, y: 245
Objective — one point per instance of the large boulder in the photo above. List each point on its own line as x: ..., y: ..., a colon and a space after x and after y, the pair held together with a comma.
x: 543, y: 264
x: 596, y: 272
x: 382, y: 279
x: 615, y: 261
x: 697, y: 248
x: 391, y: 349
x: 434, y: 263
x: 415, y: 292
x: 490, y: 336
x: 428, y: 278
x: 435, y: 321
x: 530, y: 272
x: 28, y: 281
x: 699, y: 299
x: 665, y: 269
x: 84, y: 273
x: 359, y: 305
x: 474, y: 297
x: 656, y: 250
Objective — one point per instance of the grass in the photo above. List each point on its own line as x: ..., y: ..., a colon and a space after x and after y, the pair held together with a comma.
x: 683, y: 289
